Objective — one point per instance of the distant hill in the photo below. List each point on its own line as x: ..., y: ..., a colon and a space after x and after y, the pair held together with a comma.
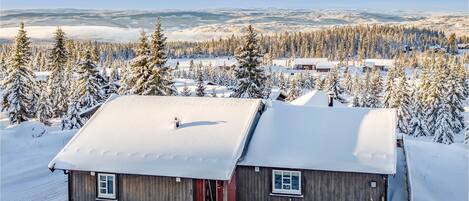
x: 110, y: 25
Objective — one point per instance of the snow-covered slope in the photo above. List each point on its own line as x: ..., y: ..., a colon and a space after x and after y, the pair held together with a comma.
x: 24, y: 159
x: 205, y: 24
x: 437, y: 172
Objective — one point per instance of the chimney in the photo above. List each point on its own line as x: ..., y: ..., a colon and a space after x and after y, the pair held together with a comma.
x: 330, y: 100
x: 177, y: 122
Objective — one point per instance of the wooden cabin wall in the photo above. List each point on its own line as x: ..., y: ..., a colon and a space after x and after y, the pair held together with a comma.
x: 315, y: 186
x: 132, y: 187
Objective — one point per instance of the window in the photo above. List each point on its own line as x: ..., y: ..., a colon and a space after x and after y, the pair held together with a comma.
x: 286, y: 182
x: 107, y: 186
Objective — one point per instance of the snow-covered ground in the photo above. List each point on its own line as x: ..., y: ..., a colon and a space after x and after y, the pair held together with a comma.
x: 24, y: 158
x: 437, y: 172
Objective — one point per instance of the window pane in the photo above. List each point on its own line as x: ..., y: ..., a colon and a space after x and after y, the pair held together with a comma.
x: 286, y: 180
x: 286, y: 187
x: 102, y: 191
x: 295, y: 181
x: 110, y: 186
x: 278, y: 181
x: 102, y: 184
x: 102, y: 178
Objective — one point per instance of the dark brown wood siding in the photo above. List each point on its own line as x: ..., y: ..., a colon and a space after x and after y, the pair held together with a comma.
x: 315, y: 185
x: 132, y: 187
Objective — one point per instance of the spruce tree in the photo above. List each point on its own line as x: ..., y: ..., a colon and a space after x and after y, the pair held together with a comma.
x: 332, y: 85
x: 402, y: 101
x: 114, y: 79
x: 443, y: 122
x: 73, y: 120
x: 388, y: 101
x: 56, y: 86
x: 185, y: 90
x: 200, y: 85
x: 365, y: 91
x: 87, y: 89
x: 44, y: 111
x: 125, y: 82
x: 20, y: 87
x: 375, y: 88
x: 142, y: 77
x: 162, y: 75
x: 319, y: 83
x: 294, y: 90
x: 356, y: 92
x: 250, y: 77
x: 282, y: 85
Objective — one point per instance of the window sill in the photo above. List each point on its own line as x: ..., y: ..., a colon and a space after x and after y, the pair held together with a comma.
x: 286, y: 195
x: 106, y: 199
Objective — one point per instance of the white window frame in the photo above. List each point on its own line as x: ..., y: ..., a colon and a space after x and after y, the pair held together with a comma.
x: 107, y: 194
x: 286, y: 191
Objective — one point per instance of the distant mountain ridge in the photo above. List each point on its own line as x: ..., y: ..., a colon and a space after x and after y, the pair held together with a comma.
x: 214, y: 23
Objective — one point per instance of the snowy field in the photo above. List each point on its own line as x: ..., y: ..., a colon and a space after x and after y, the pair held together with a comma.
x: 24, y: 159
x: 437, y: 172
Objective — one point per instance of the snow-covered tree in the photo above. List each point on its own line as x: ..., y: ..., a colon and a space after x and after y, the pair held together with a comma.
x: 185, y: 90
x: 163, y: 79
x: 20, y: 87
x: 356, y: 92
x: 114, y: 79
x: 282, y: 85
x: 294, y: 90
x: 170, y: 88
x: 57, y: 88
x: 365, y: 85
x: 142, y: 77
x: 443, y: 122
x: 73, y: 120
x: 319, y: 83
x: 374, y: 91
x: 332, y: 85
x: 347, y: 82
x: 200, y: 85
x: 87, y: 89
x: 416, y: 123
x: 44, y: 111
x: 125, y: 81
x: 388, y: 101
x: 250, y: 77
x: 402, y: 103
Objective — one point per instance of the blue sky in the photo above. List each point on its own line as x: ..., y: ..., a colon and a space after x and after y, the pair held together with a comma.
x: 423, y: 5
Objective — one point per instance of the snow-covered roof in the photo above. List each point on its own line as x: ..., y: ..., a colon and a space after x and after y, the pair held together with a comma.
x: 318, y: 138
x: 315, y: 98
x: 325, y: 65
x: 136, y: 135
x: 380, y: 62
x: 309, y: 61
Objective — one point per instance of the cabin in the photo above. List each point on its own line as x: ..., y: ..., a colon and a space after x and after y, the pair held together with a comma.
x: 377, y: 64
x: 159, y: 148
x: 226, y: 149
x: 313, y: 64
x: 327, y: 153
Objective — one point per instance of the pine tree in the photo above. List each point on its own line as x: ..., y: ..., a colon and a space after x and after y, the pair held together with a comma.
x: 332, y: 85
x: 319, y: 84
x: 294, y: 91
x: 44, y: 109
x: 402, y: 100
x: 347, y: 82
x: 443, y: 122
x: 250, y: 77
x: 163, y: 80
x: 87, y: 89
x: 113, y: 80
x: 125, y: 81
x: 455, y: 98
x: 186, y: 91
x: 282, y: 85
x: 388, y: 102
x: 56, y: 86
x: 200, y: 85
x: 375, y: 88
x: 20, y: 87
x: 72, y: 119
x: 356, y: 92
x: 142, y: 77
x: 416, y: 123
x: 365, y: 90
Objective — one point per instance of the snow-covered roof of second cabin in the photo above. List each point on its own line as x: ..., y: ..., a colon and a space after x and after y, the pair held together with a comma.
x: 309, y: 61
x: 136, y: 135
x: 315, y: 98
x: 380, y: 62
x: 330, y: 139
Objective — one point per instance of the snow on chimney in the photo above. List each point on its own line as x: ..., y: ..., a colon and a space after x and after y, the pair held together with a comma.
x: 330, y: 100
x: 177, y: 122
